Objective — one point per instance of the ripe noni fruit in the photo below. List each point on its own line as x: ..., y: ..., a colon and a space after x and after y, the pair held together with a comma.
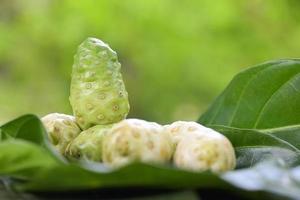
x: 199, y: 148
x: 98, y: 95
x: 88, y: 145
x: 136, y: 140
x: 61, y: 129
x: 181, y: 129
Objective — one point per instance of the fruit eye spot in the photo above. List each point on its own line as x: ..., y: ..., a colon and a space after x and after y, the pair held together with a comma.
x: 117, y: 64
x: 123, y: 148
x: 150, y: 144
x: 136, y: 135
x: 109, y: 72
x: 115, y: 107
x: 77, y: 155
x: 89, y: 106
x: 106, y: 83
x: 175, y: 129
x: 102, y: 96
x: 56, y: 129
x: 103, y: 53
x: 88, y: 86
x: 66, y: 122
x: 92, y: 74
x: 192, y: 128
x: 163, y: 152
x: 100, y: 117
x: 80, y: 120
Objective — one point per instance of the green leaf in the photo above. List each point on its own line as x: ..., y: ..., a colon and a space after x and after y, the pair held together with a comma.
x: 27, y: 127
x: 276, y: 178
x: 254, y: 146
x: 63, y: 178
x: 258, y: 182
x: 83, y: 195
x: 264, y: 96
x: 22, y: 159
x: 290, y: 134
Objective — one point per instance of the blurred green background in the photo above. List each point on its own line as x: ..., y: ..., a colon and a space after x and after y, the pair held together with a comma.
x: 176, y: 56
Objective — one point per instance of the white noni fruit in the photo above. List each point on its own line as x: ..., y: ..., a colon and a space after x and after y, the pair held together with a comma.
x: 199, y: 148
x: 61, y: 129
x: 136, y: 140
x: 182, y: 129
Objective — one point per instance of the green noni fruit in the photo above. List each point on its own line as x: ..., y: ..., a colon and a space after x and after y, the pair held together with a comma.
x: 88, y: 145
x: 61, y: 129
x: 98, y: 95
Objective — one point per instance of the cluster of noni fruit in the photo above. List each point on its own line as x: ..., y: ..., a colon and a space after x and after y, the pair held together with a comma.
x: 100, y: 132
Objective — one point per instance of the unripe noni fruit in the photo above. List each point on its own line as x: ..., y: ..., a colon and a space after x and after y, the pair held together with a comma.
x: 88, y: 145
x: 199, y: 148
x: 61, y: 129
x: 98, y: 95
x: 136, y: 140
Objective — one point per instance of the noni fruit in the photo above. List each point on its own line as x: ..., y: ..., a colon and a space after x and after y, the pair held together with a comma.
x: 98, y: 95
x: 88, y: 145
x: 180, y: 129
x: 199, y: 148
x: 61, y: 129
x: 136, y: 140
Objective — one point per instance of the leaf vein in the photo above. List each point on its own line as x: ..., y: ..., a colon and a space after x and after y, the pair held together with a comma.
x: 271, y: 98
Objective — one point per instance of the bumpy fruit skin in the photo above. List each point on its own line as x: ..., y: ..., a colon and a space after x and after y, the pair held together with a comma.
x: 136, y: 140
x: 199, y: 148
x: 88, y: 145
x: 61, y: 129
x: 98, y: 95
x: 182, y: 129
